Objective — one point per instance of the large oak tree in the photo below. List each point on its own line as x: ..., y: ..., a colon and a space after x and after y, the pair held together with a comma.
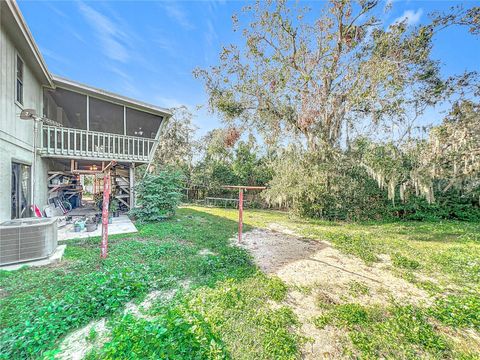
x: 321, y: 76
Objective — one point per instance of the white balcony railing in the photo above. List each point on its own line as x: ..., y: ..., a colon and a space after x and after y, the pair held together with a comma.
x: 68, y: 142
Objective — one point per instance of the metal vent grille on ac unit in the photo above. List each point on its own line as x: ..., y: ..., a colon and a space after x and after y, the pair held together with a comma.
x: 27, y: 239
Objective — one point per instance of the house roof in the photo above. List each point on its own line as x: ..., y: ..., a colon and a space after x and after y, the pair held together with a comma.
x: 12, y: 20
x: 109, y: 96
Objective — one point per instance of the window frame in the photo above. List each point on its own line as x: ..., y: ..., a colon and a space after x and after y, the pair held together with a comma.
x: 22, y: 81
x: 19, y: 189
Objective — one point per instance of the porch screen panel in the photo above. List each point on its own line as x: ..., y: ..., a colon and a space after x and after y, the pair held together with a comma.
x: 105, y: 117
x: 65, y: 107
x: 142, y: 124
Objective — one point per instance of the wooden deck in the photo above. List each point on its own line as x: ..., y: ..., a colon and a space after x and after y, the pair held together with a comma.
x: 56, y: 141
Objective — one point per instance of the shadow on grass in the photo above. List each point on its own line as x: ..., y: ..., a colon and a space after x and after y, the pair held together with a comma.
x: 39, y: 306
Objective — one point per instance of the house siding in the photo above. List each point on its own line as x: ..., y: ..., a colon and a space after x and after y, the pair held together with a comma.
x: 16, y: 135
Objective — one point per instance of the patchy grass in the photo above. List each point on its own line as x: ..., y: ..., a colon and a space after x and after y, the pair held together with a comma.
x: 446, y: 250
x: 440, y: 257
x: 396, y: 332
x: 345, y: 315
x: 229, y: 309
x: 356, y: 288
x: 403, y: 333
x: 39, y: 306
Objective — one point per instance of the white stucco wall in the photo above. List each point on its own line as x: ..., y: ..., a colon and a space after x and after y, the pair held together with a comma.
x: 16, y: 136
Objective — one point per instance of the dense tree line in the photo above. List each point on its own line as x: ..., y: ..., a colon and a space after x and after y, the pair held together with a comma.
x: 335, y: 101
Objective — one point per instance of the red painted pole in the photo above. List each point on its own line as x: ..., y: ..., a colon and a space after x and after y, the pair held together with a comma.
x: 240, y: 214
x: 106, y: 200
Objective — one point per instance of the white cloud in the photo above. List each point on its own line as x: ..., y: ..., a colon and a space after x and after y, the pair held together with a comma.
x: 120, y: 73
x: 54, y: 56
x: 211, y: 34
x: 167, y: 102
x: 410, y: 16
x: 177, y: 14
x: 114, y: 40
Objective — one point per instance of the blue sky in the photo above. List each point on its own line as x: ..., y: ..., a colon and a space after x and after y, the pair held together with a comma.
x: 148, y: 49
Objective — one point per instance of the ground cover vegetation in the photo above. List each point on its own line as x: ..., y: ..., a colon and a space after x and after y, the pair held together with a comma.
x: 441, y: 258
x: 214, y: 304
x: 220, y: 309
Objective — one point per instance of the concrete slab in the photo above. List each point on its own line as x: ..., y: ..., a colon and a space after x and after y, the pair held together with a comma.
x: 86, y: 210
x: 54, y: 258
x: 119, y: 225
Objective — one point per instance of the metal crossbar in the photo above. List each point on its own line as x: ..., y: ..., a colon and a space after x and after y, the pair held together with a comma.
x: 213, y: 201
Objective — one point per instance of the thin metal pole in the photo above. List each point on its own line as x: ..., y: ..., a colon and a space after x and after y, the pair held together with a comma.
x: 106, y: 199
x: 131, y: 173
x: 240, y: 214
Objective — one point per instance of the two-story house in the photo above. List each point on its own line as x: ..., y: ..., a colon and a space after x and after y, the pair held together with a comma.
x: 82, y: 126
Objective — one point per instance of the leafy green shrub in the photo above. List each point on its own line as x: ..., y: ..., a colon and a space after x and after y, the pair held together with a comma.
x: 450, y: 206
x: 158, y: 196
x: 333, y: 185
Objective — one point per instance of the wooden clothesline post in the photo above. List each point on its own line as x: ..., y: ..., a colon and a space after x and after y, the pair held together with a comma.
x: 240, y: 204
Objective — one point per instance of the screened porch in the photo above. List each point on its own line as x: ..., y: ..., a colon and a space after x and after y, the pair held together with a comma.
x: 85, y: 123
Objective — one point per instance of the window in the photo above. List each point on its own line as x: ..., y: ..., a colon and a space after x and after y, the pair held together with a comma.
x: 20, y: 190
x: 65, y: 107
x: 105, y: 116
x: 142, y: 124
x: 19, y: 83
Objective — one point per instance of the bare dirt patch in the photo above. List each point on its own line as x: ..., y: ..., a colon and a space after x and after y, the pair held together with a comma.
x: 273, y: 250
x: 321, y: 343
x: 206, y: 252
x: 141, y: 309
x: 326, y: 276
x: 76, y: 345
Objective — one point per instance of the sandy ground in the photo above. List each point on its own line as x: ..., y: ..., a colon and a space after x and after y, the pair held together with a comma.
x: 317, y: 272
x: 76, y: 345
x: 314, y: 270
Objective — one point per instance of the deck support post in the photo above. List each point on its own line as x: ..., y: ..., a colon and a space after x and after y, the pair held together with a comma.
x: 132, y: 185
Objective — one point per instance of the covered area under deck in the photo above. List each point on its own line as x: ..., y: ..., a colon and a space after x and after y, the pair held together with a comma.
x: 75, y: 188
x: 69, y: 178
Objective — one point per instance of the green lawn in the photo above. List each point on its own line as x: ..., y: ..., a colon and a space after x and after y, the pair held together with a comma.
x: 226, y: 311
x: 442, y: 258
